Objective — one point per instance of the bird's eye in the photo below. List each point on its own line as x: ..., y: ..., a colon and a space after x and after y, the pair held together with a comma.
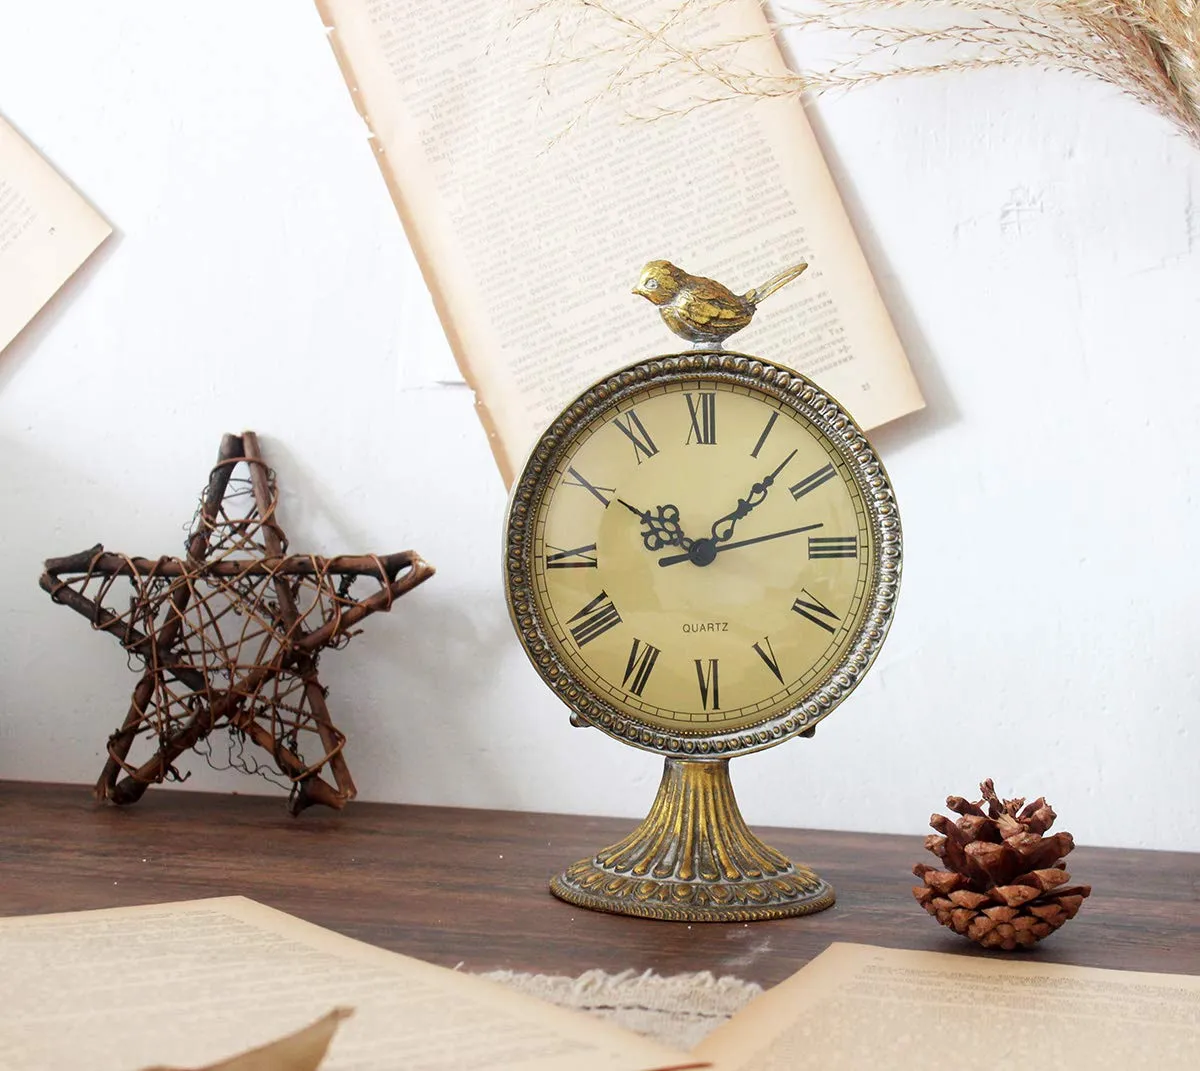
x: 650, y: 284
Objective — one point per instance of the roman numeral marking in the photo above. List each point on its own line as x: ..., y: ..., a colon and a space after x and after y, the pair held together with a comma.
x: 703, y: 414
x: 641, y: 662
x: 810, y: 606
x: 811, y: 483
x: 584, y: 558
x: 595, y: 619
x: 579, y: 481
x: 768, y: 656
x: 635, y: 431
x: 707, y: 679
x: 765, y: 432
x: 832, y: 547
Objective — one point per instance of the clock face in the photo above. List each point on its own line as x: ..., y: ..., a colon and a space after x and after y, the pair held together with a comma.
x: 701, y: 559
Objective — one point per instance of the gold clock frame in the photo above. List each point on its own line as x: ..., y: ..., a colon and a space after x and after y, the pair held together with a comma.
x: 694, y: 858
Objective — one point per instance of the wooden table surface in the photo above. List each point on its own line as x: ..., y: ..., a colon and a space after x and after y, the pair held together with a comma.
x: 468, y: 887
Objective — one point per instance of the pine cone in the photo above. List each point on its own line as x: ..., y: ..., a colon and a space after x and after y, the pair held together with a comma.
x: 1005, y: 885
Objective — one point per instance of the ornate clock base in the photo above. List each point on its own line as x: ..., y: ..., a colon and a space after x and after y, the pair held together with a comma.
x: 694, y: 859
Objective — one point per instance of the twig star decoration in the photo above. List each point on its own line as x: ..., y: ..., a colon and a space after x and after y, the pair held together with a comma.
x: 228, y: 637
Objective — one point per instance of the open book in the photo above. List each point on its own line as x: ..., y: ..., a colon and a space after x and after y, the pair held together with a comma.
x: 530, y: 246
x: 190, y: 984
x: 46, y: 232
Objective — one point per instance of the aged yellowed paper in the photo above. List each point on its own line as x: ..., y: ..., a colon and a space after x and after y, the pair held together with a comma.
x: 189, y: 984
x: 857, y: 1006
x: 46, y: 232
x: 530, y: 246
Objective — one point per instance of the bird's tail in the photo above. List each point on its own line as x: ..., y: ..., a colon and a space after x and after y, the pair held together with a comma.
x: 774, y: 283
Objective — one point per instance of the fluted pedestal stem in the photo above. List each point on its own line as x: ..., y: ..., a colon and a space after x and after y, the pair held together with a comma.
x: 693, y: 859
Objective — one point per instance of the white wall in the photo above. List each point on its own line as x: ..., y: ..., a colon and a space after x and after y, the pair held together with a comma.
x: 1034, y: 235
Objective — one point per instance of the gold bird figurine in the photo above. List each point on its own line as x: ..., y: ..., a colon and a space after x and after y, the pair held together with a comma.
x: 702, y: 310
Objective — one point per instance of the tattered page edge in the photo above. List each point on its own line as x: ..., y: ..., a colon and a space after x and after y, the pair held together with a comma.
x: 416, y: 243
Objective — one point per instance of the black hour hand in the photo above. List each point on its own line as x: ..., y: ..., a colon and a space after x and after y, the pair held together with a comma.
x: 662, y: 529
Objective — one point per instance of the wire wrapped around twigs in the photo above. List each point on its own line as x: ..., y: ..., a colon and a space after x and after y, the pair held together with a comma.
x: 229, y: 636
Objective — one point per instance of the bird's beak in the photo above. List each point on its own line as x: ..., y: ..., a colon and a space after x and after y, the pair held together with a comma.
x: 639, y: 291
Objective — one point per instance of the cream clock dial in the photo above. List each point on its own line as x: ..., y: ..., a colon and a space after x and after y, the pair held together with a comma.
x: 702, y: 555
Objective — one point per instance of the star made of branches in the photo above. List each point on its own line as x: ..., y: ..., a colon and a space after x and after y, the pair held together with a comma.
x: 228, y: 637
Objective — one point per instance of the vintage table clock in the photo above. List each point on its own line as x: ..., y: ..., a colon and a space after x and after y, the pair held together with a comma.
x: 701, y: 558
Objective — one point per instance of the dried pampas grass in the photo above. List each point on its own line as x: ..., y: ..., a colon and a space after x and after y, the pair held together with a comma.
x: 1147, y: 48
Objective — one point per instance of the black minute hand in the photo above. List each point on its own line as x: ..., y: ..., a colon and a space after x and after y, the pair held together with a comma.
x: 675, y: 559
x: 722, y: 529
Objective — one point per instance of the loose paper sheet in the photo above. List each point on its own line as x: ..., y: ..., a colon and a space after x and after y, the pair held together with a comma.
x: 188, y: 984
x: 530, y: 248
x: 46, y: 232
x: 856, y: 1007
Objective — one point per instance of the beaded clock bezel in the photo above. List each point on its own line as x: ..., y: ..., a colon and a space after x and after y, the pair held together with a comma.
x: 825, y: 416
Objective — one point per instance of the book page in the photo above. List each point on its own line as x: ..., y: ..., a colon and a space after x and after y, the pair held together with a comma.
x: 856, y: 1006
x: 46, y: 232
x: 530, y: 245
x: 188, y: 984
